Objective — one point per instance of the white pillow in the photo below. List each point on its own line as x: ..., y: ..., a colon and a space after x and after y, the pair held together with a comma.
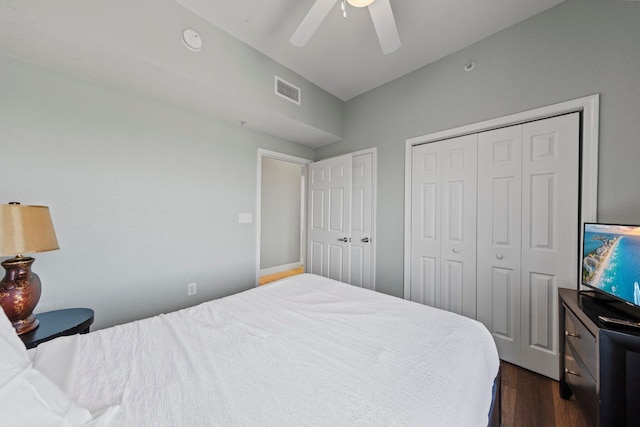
x: 28, y: 398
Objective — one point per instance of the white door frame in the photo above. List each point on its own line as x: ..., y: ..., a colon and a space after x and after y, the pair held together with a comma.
x: 262, y: 153
x: 590, y: 108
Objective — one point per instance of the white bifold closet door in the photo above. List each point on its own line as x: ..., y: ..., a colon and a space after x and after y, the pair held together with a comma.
x: 443, y: 265
x: 528, y: 201
x: 494, y: 232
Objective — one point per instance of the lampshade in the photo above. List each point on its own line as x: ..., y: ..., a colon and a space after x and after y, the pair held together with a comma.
x: 360, y: 3
x: 26, y: 229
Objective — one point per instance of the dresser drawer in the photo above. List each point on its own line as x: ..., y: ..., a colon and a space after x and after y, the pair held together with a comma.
x: 582, y: 342
x: 581, y: 384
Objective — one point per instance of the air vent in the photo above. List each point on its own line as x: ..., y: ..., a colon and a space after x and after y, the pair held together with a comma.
x: 287, y: 90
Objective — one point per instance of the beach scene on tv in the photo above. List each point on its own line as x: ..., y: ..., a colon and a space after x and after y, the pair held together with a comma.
x: 611, y: 260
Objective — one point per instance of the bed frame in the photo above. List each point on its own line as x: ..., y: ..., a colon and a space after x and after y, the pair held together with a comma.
x: 495, y: 413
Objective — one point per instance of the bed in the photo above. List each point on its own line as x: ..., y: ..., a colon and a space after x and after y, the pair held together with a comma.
x: 305, y: 350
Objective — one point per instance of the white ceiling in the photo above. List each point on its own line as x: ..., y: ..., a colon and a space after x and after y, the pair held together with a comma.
x: 131, y: 45
x: 343, y: 57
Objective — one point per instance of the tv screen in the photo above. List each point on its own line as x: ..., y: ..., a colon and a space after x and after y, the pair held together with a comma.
x: 611, y: 260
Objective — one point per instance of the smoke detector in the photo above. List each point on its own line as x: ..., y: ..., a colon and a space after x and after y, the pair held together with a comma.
x: 191, y: 40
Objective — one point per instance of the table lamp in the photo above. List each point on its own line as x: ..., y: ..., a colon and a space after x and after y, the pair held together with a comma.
x: 23, y: 230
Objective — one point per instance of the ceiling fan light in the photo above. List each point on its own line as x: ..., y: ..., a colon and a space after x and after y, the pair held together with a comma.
x: 360, y: 3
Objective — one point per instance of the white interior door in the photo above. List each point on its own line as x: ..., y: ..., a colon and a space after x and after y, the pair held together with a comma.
x: 362, y: 221
x: 444, y: 214
x: 550, y: 199
x: 499, y: 237
x: 329, y: 218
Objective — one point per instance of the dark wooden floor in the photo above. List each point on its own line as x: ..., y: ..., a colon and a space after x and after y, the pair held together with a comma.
x: 532, y: 400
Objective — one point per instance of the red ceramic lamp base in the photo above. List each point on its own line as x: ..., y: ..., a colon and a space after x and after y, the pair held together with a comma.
x: 26, y: 325
x: 19, y: 293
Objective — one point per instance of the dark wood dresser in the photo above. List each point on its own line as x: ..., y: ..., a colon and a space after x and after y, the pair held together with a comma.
x: 599, y: 363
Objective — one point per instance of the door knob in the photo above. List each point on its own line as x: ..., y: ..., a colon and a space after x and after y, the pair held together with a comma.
x: 344, y: 239
x: 365, y: 240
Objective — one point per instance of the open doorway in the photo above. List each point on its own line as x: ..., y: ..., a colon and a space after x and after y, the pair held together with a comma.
x: 281, y: 208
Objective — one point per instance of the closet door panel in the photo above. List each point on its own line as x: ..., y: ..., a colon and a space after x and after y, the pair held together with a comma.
x: 452, y: 287
x: 502, y: 315
x: 550, y: 191
x: 443, y: 272
x: 541, y: 290
x: 423, y: 289
x: 425, y: 223
x: 458, y: 244
x: 499, y: 237
x: 542, y: 195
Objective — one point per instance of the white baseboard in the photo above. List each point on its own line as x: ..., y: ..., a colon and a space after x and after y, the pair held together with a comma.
x: 279, y: 268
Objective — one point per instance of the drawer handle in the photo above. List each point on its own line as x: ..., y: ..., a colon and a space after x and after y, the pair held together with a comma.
x: 571, y: 334
x: 567, y: 371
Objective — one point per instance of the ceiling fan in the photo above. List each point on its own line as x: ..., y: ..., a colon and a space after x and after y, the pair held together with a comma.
x: 381, y: 15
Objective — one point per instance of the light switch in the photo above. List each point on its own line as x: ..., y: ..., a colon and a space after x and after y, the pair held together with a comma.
x: 245, y: 218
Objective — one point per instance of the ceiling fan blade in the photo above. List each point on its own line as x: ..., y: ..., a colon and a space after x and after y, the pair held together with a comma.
x: 385, y: 25
x: 311, y: 22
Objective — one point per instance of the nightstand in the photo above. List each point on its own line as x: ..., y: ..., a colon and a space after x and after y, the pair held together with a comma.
x: 59, y: 323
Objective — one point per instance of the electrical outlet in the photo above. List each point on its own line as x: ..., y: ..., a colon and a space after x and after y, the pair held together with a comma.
x: 192, y: 289
x: 245, y: 218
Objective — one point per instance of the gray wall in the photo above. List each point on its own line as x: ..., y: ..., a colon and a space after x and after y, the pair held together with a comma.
x: 144, y: 196
x: 576, y: 49
x: 98, y: 41
x: 280, y: 213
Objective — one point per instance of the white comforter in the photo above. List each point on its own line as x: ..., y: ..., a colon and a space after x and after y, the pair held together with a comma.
x: 302, y: 351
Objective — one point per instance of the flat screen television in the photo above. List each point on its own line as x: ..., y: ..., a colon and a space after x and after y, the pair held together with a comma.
x: 611, y: 261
